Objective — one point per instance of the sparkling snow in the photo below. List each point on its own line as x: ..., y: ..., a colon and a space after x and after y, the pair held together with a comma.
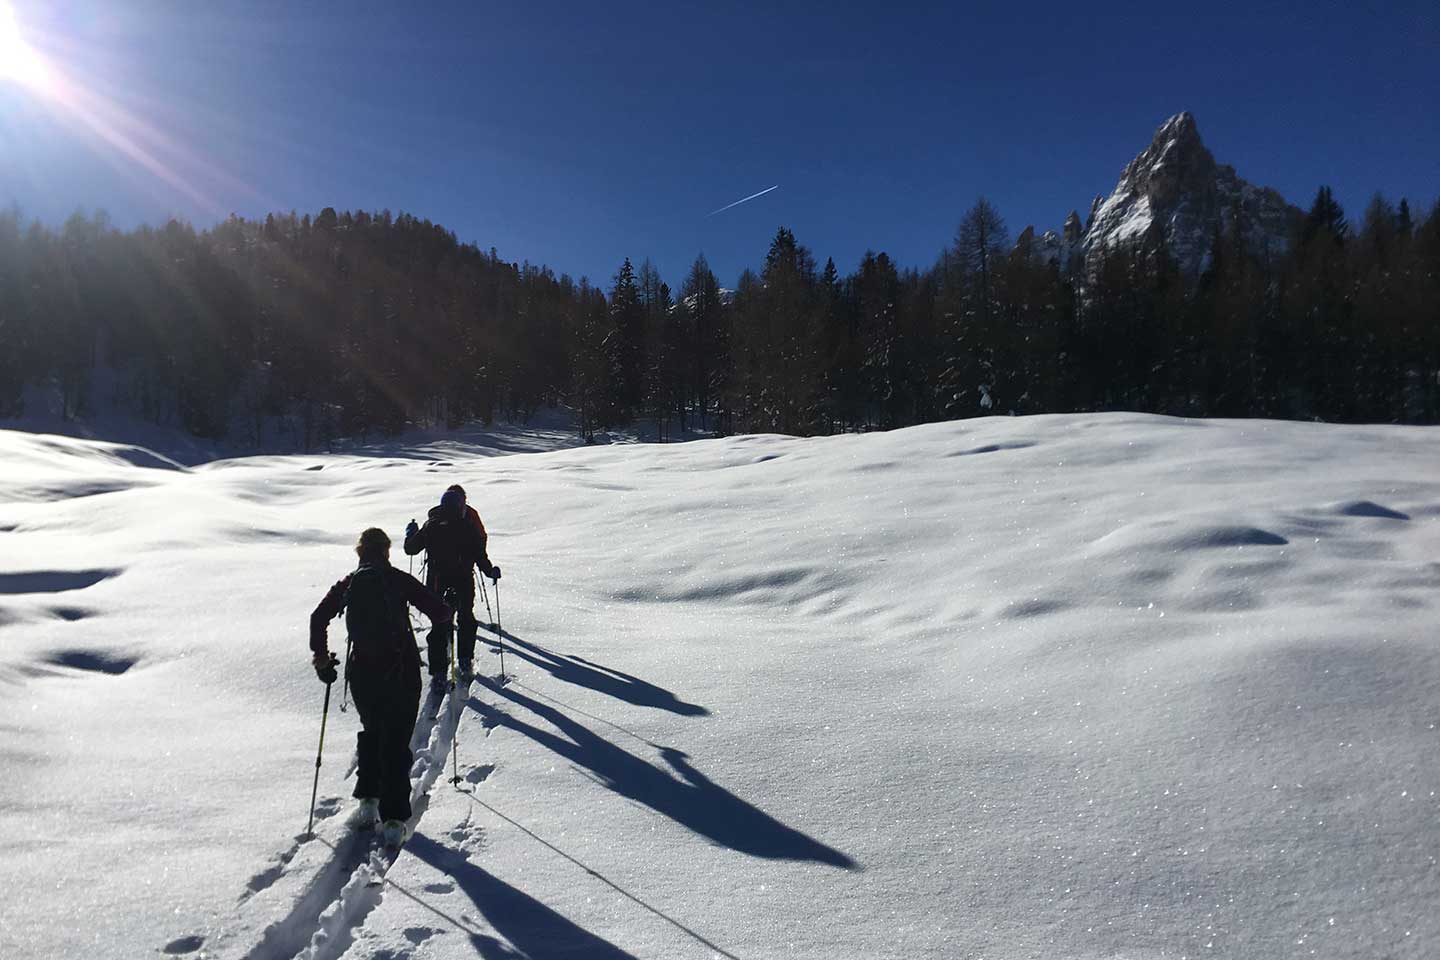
x: 1063, y: 686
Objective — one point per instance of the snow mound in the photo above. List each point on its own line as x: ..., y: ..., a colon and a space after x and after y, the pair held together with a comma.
x: 1365, y: 508
x: 1073, y: 686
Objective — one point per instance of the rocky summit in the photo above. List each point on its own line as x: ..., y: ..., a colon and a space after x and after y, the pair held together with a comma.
x: 1175, y: 194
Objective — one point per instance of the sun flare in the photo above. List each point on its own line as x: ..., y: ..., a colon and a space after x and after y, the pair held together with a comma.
x: 19, y: 61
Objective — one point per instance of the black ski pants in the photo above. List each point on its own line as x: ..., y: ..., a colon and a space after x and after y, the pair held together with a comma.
x: 388, y: 703
x: 459, y: 592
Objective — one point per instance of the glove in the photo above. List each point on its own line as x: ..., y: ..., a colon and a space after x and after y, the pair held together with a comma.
x: 411, y: 529
x: 494, y: 573
x: 325, y: 664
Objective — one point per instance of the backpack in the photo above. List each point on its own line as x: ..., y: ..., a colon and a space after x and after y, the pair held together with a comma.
x: 448, y: 552
x: 375, y: 616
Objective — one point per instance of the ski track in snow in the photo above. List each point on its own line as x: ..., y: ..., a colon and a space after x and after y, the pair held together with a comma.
x: 336, y: 895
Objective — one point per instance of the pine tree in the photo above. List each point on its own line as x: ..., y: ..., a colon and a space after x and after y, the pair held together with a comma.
x: 840, y: 352
x: 661, y: 347
x: 968, y: 296
x: 1319, y: 301
x: 626, y: 345
x: 15, y: 346
x: 1325, y: 219
x: 709, y: 342
x: 883, y: 375
x: 590, y: 389
x: 1028, y: 344
x: 785, y: 328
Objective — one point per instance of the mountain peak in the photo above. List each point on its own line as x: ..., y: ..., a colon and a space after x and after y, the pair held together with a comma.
x: 1176, y: 187
x: 1174, y: 194
x: 1182, y: 126
x: 1176, y: 162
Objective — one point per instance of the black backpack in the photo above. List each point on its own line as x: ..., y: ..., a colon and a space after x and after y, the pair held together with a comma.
x: 448, y: 550
x: 376, y: 616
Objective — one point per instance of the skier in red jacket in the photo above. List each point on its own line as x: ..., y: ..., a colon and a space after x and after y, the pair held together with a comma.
x: 472, y: 515
x: 453, y: 546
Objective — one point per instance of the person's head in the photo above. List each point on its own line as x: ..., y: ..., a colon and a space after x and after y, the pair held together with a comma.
x: 373, y: 546
x: 453, y: 503
x: 456, y: 488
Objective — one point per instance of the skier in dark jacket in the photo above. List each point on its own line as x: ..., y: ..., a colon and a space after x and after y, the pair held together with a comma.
x: 452, y: 545
x: 383, y: 669
x: 472, y: 516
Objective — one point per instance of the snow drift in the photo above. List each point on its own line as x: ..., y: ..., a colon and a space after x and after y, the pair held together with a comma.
x: 1065, y: 686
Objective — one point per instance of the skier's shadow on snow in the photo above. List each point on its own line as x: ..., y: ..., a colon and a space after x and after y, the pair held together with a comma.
x: 691, y: 799
x: 597, y: 677
x: 536, y: 931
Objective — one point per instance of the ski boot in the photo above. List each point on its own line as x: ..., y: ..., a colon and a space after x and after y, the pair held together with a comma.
x: 365, y: 815
x: 394, y: 833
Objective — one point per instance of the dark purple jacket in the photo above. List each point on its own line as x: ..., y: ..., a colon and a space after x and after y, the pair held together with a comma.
x: 414, y: 592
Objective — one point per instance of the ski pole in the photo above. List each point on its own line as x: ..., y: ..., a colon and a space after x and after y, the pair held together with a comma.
x: 314, y: 790
x: 423, y: 565
x: 454, y: 747
x: 454, y: 596
x: 454, y: 603
x: 486, y: 594
x: 454, y: 717
x: 345, y: 693
x: 499, y: 633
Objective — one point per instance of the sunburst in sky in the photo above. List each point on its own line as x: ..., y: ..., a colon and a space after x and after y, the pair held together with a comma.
x: 19, y: 61
x: 50, y: 67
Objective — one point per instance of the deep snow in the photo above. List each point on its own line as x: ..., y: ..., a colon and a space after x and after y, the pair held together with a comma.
x: 1063, y: 686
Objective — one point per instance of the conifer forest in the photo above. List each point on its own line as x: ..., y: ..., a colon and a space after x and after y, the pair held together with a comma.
x: 351, y: 324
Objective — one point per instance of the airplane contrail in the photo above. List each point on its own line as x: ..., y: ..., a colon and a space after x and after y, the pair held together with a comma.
x: 743, y: 200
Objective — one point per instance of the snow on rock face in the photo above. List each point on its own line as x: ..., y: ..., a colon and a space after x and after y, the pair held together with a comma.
x: 1052, y: 247
x: 1175, y: 194
x: 1176, y: 191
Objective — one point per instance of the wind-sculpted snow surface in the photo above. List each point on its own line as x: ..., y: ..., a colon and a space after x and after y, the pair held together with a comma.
x: 1086, y: 687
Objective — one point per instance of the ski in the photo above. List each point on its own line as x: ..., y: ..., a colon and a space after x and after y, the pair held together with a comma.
x: 355, y: 849
x: 383, y: 858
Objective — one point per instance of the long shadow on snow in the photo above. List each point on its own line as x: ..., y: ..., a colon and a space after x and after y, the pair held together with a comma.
x: 536, y: 931
x: 694, y: 802
x: 597, y: 677
x: 715, y: 949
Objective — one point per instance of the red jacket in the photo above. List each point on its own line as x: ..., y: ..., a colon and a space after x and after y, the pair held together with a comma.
x: 474, y: 518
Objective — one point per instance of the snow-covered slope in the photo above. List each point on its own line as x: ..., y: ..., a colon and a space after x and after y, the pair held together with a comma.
x: 1096, y: 686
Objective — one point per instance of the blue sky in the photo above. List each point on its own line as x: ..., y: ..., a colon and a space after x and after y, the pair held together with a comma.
x: 578, y: 134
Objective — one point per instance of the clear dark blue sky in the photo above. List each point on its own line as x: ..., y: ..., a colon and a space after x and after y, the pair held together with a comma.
x: 578, y: 134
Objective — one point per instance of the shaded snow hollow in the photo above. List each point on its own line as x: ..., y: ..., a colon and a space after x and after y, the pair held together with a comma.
x: 1063, y: 686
